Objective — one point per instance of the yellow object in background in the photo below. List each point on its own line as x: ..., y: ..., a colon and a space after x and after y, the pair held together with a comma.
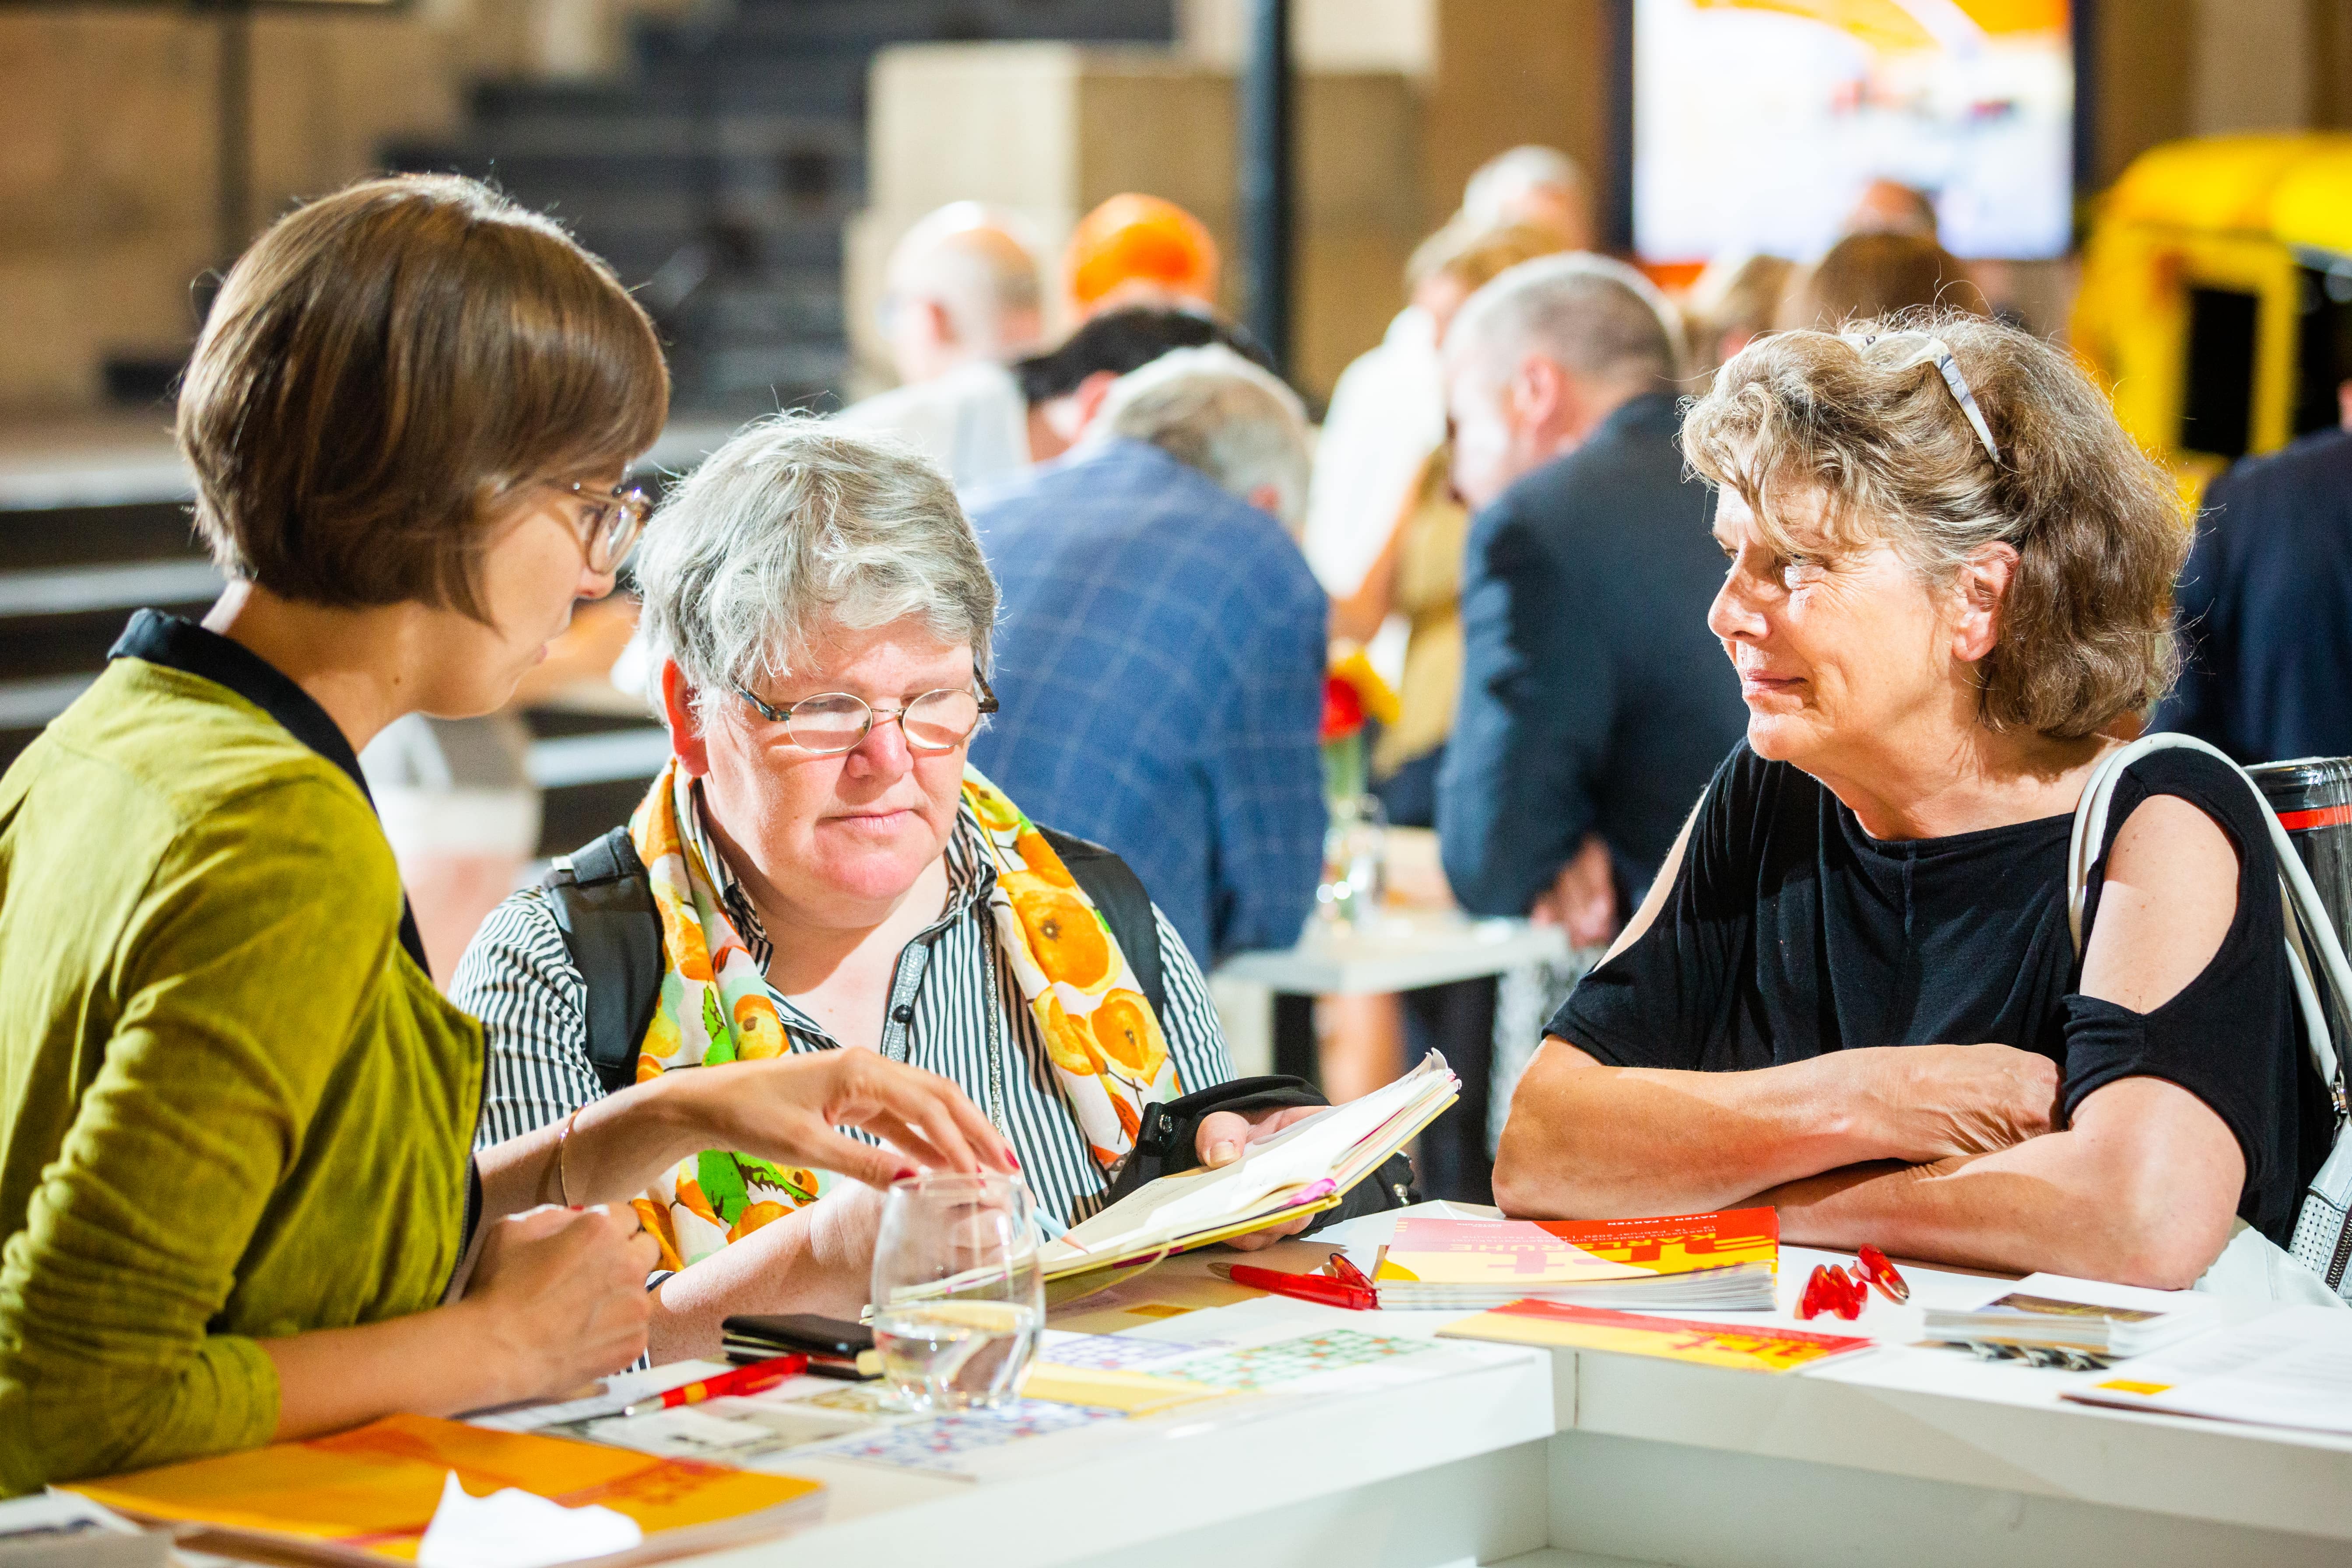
x: 2216, y: 301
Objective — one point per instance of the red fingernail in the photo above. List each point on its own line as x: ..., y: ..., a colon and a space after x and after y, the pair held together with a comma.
x: 906, y: 1174
x: 1013, y: 1157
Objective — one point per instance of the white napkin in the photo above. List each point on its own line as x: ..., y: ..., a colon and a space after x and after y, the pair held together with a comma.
x: 512, y: 1528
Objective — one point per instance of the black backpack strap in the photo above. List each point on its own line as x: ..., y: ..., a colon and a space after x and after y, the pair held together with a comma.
x: 603, y: 905
x: 1126, y: 907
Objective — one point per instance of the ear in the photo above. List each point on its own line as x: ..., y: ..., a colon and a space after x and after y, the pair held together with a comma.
x: 685, y: 725
x: 940, y: 326
x: 1980, y: 587
x: 1536, y: 392
x: 1087, y: 400
x: 1267, y: 498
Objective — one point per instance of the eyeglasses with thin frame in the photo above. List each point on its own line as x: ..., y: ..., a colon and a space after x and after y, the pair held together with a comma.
x: 833, y: 722
x: 615, y: 518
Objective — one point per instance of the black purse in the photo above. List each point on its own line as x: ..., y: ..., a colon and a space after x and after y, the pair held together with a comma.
x: 1168, y: 1143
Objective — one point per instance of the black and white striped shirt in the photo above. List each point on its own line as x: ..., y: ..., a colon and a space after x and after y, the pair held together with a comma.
x: 519, y: 979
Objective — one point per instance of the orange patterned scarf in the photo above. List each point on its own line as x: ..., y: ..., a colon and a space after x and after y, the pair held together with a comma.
x: 716, y: 1007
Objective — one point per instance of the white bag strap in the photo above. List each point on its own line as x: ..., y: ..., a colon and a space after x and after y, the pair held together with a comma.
x: 2308, y: 926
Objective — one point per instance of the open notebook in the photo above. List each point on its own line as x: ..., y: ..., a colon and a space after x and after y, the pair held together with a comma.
x: 1304, y: 1169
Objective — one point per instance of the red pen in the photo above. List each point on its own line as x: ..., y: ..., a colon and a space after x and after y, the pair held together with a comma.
x: 752, y: 1379
x: 1303, y: 1287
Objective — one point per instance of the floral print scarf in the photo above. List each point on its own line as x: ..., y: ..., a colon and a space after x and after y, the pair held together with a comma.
x: 716, y: 1007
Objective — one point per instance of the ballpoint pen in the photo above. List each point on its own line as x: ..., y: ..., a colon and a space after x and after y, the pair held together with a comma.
x: 752, y: 1379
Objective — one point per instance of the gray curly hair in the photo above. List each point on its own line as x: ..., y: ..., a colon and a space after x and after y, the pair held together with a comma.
x: 2085, y: 630
x: 794, y: 524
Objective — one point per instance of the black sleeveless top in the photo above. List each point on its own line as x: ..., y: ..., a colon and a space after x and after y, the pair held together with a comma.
x: 1790, y: 931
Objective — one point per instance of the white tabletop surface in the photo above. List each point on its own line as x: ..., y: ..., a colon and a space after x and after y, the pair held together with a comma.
x: 1396, y: 950
x: 1903, y: 1410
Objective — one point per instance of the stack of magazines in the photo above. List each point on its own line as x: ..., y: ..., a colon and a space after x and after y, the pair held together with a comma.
x: 2074, y: 1321
x: 1725, y: 1262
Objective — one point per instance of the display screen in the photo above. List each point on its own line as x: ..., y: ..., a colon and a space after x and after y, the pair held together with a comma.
x: 1758, y: 123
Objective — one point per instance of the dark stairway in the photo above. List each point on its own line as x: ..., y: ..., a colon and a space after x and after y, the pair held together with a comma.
x: 716, y: 179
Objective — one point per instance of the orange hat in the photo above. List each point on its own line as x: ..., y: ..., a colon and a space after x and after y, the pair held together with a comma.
x: 1138, y: 239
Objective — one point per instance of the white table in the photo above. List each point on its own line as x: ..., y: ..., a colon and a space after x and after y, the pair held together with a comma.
x: 1402, y: 950
x: 1565, y: 1459
x: 1398, y: 949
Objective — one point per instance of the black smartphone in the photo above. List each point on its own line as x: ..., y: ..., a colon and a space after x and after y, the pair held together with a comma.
x: 835, y: 1348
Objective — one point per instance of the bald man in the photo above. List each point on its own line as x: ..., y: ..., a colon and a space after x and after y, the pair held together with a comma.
x: 962, y: 285
x: 961, y: 297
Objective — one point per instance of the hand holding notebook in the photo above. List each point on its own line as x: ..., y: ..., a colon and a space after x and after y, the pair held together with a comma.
x: 1306, y: 1168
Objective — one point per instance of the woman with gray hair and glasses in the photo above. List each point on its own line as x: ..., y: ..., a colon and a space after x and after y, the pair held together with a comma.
x: 1853, y: 992
x: 818, y: 869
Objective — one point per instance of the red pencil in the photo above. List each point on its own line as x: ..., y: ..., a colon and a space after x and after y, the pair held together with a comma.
x: 752, y: 1379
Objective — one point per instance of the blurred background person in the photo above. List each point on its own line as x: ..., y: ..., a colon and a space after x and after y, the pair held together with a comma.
x: 962, y: 298
x: 1542, y: 187
x: 1418, y: 572
x: 1890, y: 206
x: 1062, y: 389
x: 1593, y: 694
x: 2264, y: 607
x: 1159, y: 668
x: 1135, y: 249
x: 1732, y: 304
x: 1366, y: 1040
x: 1387, y: 409
x: 1870, y: 277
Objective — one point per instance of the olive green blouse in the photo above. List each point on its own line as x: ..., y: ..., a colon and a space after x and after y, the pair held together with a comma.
x: 232, y: 1105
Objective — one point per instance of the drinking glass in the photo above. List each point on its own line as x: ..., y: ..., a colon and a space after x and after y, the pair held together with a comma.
x: 1355, y: 860
x: 958, y: 1297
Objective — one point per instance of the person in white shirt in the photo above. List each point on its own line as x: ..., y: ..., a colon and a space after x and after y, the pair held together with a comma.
x: 1387, y: 410
x: 963, y: 296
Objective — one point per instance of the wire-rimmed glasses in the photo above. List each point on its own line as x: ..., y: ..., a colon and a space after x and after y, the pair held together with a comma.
x: 614, y: 519
x: 833, y: 722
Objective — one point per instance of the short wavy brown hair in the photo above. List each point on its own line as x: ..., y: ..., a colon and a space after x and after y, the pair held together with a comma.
x: 2085, y: 630
x: 388, y: 365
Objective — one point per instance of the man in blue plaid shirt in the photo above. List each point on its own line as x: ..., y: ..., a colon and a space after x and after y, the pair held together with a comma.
x: 1160, y: 665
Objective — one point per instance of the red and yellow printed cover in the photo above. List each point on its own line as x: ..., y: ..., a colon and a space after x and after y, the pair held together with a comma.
x: 366, y: 1495
x: 1539, y: 1254
x: 1556, y: 1325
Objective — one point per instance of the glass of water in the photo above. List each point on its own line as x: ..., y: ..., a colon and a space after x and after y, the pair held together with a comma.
x: 958, y: 1297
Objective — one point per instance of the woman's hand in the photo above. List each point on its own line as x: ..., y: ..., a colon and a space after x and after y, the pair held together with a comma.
x: 785, y: 1109
x: 559, y: 1297
x: 1224, y: 1136
x: 1948, y: 1100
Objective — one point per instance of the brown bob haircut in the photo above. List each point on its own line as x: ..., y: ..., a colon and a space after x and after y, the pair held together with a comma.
x: 389, y: 364
x: 2084, y: 631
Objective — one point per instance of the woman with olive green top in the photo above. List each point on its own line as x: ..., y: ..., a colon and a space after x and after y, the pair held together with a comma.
x: 235, y: 1191
x: 245, y: 1103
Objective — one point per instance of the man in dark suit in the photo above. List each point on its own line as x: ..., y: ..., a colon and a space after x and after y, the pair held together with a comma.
x: 1595, y: 703
x: 2265, y: 608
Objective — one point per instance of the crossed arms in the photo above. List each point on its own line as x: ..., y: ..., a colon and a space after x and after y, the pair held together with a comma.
x: 1951, y: 1152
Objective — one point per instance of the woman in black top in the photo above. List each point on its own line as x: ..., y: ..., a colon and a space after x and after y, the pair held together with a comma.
x: 1852, y: 992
